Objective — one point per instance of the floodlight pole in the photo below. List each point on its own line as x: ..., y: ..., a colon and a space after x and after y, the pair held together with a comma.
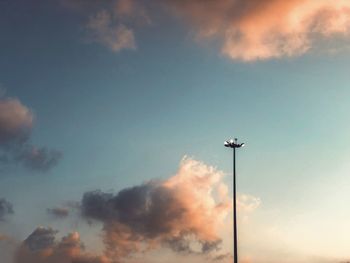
x: 233, y: 144
x: 235, y: 250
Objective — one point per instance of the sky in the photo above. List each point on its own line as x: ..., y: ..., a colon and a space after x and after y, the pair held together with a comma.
x: 113, y: 115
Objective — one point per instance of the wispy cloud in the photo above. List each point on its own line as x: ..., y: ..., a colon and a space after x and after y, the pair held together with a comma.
x: 112, y: 23
x: 112, y: 34
x: 247, y: 203
x: 16, y: 122
x: 59, y: 212
x: 247, y: 30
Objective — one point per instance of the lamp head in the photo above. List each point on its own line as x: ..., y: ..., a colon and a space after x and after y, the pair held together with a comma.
x: 233, y: 144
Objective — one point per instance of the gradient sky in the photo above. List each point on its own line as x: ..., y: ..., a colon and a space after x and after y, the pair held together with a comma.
x: 125, y: 95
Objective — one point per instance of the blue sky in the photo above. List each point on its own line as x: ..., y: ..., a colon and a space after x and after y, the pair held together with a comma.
x: 126, y: 117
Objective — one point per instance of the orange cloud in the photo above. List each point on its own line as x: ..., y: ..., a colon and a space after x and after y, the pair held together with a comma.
x: 183, y: 213
x: 253, y: 29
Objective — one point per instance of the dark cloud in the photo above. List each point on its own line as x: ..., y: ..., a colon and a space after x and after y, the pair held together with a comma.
x: 42, y: 238
x: 6, y: 208
x: 175, y: 213
x: 40, y: 159
x: 96, y: 205
x: 59, y: 212
x: 42, y: 247
x: 16, y: 122
x: 148, y: 212
x: 228, y: 257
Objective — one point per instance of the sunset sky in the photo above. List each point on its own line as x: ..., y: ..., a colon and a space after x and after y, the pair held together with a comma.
x: 113, y: 115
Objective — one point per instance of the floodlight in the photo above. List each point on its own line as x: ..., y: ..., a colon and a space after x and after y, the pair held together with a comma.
x: 234, y: 144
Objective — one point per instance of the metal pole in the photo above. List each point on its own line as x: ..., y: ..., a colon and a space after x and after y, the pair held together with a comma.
x: 235, y: 254
x: 234, y: 144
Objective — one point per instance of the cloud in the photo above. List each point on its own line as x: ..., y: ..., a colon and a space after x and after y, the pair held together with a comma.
x: 41, y: 239
x: 224, y: 258
x: 41, y: 247
x: 247, y: 203
x: 112, y: 23
x: 59, y: 212
x: 253, y: 29
x: 16, y: 122
x: 132, y: 11
x: 183, y: 213
x: 6, y: 208
x: 112, y: 34
x: 39, y: 159
x: 246, y: 30
x: 183, y: 216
